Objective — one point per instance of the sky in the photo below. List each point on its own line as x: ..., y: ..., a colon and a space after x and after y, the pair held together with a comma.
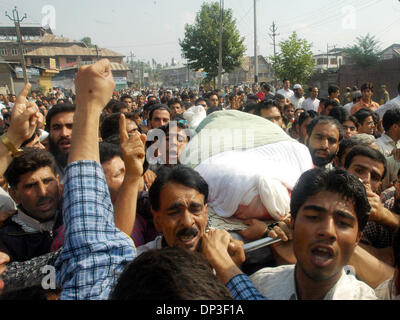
x: 151, y: 29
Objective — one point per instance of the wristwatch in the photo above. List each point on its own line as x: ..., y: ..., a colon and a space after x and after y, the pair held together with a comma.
x: 15, y: 152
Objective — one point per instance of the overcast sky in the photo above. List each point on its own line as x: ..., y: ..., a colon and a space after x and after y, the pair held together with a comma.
x: 151, y: 28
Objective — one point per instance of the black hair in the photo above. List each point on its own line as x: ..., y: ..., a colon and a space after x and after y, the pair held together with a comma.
x: 249, y: 107
x: 110, y: 124
x: 344, y: 145
x: 333, y: 89
x: 390, y: 118
x: 32, y: 160
x: 118, y: 106
x: 323, y: 120
x: 158, y: 107
x: 366, y: 152
x: 306, y: 115
x: 337, y: 181
x: 330, y: 102
x: 125, y: 96
x: 267, y: 104
x: 58, y: 108
x: 170, y: 273
x: 108, y: 151
x: 339, y: 113
x: 174, y: 101
x: 363, y: 114
x: 178, y: 174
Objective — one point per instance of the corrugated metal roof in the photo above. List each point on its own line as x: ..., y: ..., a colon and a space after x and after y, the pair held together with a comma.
x: 73, y: 50
x: 115, y: 66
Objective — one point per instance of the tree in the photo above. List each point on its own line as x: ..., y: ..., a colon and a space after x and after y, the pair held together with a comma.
x: 200, y: 47
x: 364, y: 52
x: 88, y: 42
x: 295, y: 61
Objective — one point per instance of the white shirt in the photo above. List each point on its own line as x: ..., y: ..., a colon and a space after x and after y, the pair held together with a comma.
x: 348, y: 106
x: 386, y: 144
x: 152, y: 245
x: 297, y: 102
x: 279, y: 284
x: 287, y: 94
x: 309, y: 104
x: 392, y: 104
x: 387, y: 291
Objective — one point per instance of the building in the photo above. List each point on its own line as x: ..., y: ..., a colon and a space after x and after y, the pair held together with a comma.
x: 391, y: 52
x: 180, y: 76
x: 52, y: 61
x: 245, y: 73
x: 331, y: 60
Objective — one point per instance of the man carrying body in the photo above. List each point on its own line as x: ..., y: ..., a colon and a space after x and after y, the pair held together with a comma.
x: 329, y: 211
x: 323, y: 138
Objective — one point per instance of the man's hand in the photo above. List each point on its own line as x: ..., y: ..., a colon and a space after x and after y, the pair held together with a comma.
x: 379, y: 213
x: 4, y: 215
x: 4, y: 259
x: 25, y: 117
x: 149, y: 177
x: 94, y: 85
x: 132, y: 149
x: 215, y: 246
x: 258, y: 228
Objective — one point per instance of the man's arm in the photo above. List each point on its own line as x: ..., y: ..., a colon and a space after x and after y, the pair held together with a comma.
x: 95, y: 251
x: 218, y: 249
x: 24, y: 118
x: 370, y: 269
x: 380, y: 214
x: 133, y: 155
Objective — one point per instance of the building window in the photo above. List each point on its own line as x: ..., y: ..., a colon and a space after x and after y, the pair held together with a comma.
x: 36, y: 61
x: 69, y: 60
x: 333, y: 61
x: 3, y: 51
x: 25, y: 50
x: 14, y: 51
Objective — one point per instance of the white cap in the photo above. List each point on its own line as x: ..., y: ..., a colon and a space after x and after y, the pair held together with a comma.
x: 297, y: 86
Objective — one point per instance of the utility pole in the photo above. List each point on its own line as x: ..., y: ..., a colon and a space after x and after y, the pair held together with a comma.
x: 221, y: 21
x: 273, y: 36
x: 255, y: 43
x: 132, y: 70
x: 17, y: 22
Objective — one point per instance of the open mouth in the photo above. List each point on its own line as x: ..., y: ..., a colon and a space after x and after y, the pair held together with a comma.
x: 322, y: 256
x: 45, y: 205
x: 188, y: 238
x: 64, y: 144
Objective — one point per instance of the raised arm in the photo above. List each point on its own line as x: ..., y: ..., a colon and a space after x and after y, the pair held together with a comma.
x: 133, y: 155
x: 24, y: 118
x: 95, y: 250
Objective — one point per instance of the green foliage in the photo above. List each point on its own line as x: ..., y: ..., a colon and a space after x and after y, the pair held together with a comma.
x: 364, y: 52
x: 88, y: 42
x: 295, y: 61
x: 200, y: 47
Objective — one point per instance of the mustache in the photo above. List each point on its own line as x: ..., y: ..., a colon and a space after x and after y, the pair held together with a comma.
x: 63, y: 139
x: 44, y: 199
x: 187, y: 232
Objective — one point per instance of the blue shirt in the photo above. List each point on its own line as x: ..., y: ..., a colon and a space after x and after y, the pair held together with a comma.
x: 241, y: 288
x: 95, y: 250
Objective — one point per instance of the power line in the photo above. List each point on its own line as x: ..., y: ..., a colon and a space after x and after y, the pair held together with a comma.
x: 17, y: 22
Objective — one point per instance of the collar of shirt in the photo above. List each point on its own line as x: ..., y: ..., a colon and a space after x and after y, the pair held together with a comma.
x: 31, y: 225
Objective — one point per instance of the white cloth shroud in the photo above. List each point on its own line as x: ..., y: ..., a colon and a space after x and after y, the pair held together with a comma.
x: 236, y: 177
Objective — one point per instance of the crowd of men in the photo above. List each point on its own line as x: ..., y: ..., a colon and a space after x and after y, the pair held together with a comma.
x: 80, y: 194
